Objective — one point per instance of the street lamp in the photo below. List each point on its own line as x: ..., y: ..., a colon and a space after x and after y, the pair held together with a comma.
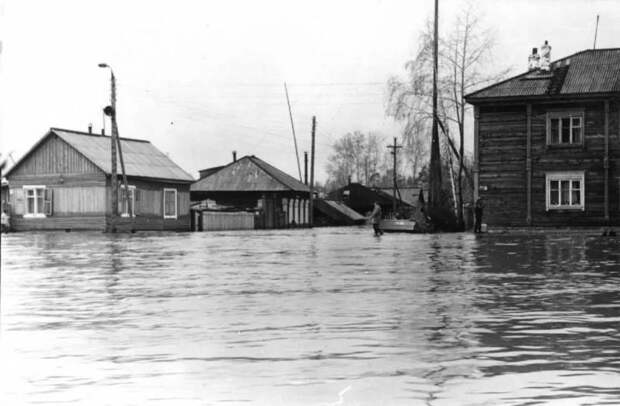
x: 115, y: 141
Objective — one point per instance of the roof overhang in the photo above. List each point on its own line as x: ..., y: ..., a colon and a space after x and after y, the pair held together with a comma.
x: 563, y: 98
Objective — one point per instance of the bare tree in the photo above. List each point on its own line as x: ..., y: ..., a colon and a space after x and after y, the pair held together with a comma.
x: 355, y: 156
x: 464, y: 65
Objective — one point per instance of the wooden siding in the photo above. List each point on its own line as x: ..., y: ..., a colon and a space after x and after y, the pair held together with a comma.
x: 503, y: 167
x: 216, y: 221
x: 59, y: 223
x: 149, y: 223
x: 149, y: 213
x: 66, y: 200
x: 502, y: 143
x: 150, y: 197
x: 54, y: 156
x: 79, y: 200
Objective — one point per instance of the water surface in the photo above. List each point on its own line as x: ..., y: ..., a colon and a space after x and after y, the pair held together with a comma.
x: 328, y: 316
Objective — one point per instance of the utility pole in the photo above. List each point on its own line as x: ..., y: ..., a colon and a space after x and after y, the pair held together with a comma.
x: 306, y: 168
x: 312, y: 172
x: 113, y: 178
x: 115, y: 142
x: 435, y: 164
x: 394, y: 148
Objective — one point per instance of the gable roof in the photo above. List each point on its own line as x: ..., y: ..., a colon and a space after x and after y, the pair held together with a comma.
x: 589, y: 72
x: 141, y: 158
x: 248, y: 173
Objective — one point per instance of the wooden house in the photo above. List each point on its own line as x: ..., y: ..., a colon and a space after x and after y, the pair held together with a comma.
x: 64, y: 182
x: 250, y: 185
x: 547, y: 143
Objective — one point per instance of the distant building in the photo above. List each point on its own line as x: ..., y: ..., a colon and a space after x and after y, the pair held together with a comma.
x: 547, y: 143
x: 64, y: 182
x: 249, y: 193
x: 409, y: 195
x: 362, y: 198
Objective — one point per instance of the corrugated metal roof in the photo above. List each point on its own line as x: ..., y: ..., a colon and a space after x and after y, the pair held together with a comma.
x: 141, y: 157
x: 249, y: 174
x: 587, y: 72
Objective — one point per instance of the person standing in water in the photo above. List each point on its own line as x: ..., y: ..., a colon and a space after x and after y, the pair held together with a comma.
x: 478, y: 212
x: 375, y: 218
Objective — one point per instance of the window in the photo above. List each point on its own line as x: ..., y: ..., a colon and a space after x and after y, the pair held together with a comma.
x: 128, y: 206
x: 170, y: 203
x: 38, y: 201
x: 565, y: 190
x: 565, y: 128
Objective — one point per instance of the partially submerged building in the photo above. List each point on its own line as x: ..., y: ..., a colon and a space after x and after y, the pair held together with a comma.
x: 64, y: 182
x: 249, y: 193
x: 547, y: 143
x: 362, y: 198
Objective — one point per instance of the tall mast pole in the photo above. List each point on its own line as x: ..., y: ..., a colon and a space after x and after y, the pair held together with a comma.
x: 293, y: 128
x: 435, y: 169
x: 311, y: 217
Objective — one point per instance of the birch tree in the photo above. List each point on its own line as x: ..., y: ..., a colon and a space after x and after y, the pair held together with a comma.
x: 465, y: 64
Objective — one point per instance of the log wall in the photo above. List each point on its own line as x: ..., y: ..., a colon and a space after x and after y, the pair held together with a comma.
x: 503, y: 164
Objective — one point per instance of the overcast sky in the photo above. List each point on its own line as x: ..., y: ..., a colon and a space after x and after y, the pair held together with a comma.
x: 202, y: 78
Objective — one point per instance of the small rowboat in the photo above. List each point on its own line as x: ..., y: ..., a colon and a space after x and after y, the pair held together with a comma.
x: 398, y: 226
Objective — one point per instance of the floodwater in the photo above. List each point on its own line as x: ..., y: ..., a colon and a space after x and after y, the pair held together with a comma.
x: 309, y: 317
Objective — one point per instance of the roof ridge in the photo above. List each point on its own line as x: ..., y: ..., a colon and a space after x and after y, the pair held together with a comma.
x: 96, y: 135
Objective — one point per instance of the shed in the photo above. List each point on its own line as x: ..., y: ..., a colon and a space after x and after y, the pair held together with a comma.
x: 251, y: 185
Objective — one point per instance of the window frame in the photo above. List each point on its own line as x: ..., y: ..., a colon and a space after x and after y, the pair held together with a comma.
x: 39, y: 212
x: 569, y: 176
x: 569, y: 114
x: 132, y: 190
x: 176, y: 211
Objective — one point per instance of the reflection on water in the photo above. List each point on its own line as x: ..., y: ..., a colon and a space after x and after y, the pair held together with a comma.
x: 312, y: 317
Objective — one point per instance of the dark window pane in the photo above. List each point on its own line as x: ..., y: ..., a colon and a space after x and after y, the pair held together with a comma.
x: 40, y: 205
x: 566, y: 130
x: 555, y: 131
x: 169, y: 203
x: 554, y: 194
x: 576, y: 197
x: 554, y: 197
x: 577, y: 135
x: 565, y: 192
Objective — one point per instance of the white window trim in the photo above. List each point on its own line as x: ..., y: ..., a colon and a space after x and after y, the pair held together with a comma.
x: 175, y: 203
x: 132, y: 190
x: 38, y: 214
x: 570, y: 176
x: 570, y: 114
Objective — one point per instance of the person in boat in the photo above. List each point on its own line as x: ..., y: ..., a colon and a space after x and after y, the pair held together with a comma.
x: 375, y: 218
x: 478, y: 213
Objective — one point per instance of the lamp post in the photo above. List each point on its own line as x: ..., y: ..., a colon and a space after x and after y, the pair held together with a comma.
x: 115, y: 141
